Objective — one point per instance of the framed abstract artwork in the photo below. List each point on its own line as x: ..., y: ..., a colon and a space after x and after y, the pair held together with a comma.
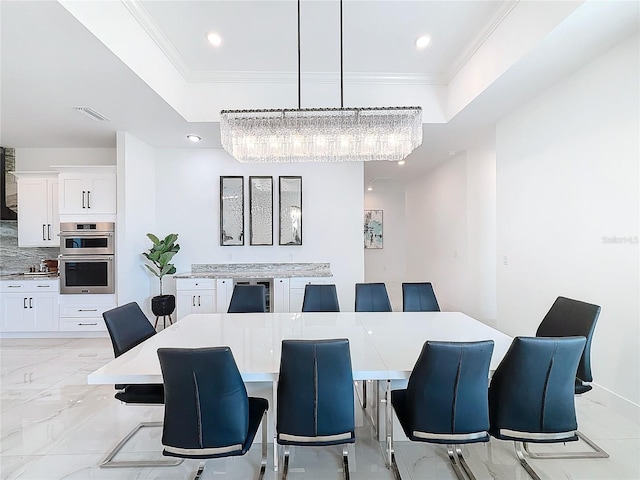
x: 231, y: 211
x: 260, y: 211
x: 290, y: 202
x: 373, y: 229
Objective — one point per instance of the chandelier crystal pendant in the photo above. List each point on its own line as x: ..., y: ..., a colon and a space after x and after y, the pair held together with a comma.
x: 321, y: 134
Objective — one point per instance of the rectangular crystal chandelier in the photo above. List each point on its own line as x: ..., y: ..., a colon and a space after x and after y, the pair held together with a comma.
x: 322, y: 134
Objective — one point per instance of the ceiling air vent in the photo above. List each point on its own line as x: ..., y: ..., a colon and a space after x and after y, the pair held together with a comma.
x: 91, y: 113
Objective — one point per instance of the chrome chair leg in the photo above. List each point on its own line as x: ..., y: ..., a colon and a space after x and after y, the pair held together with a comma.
x: 285, y: 463
x: 463, y: 463
x: 108, y: 461
x: 345, y: 462
x: 263, y: 460
x: 200, y: 471
x: 597, y: 451
x: 523, y: 461
x: 453, y: 458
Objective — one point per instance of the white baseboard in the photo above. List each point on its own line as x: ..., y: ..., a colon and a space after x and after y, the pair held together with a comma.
x: 614, y: 401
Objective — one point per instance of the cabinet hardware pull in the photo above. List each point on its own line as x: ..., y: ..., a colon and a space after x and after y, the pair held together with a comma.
x: 87, y: 309
x: 88, y: 199
x: 193, y: 300
x: 48, y: 231
x: 83, y: 192
x: 24, y: 302
x: 86, y: 324
x: 198, y: 300
x: 14, y: 286
x: 30, y: 302
x: 44, y: 286
x: 44, y: 231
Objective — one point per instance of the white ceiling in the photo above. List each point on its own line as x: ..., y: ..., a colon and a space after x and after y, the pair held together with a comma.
x: 51, y: 62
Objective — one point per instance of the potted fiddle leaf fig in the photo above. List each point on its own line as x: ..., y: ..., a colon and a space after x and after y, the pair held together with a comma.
x: 160, y: 255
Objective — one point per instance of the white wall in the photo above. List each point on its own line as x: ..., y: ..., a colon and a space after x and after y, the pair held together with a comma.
x: 187, y: 186
x: 41, y: 159
x: 567, y: 178
x: 388, y: 264
x: 136, y: 217
x: 451, y: 232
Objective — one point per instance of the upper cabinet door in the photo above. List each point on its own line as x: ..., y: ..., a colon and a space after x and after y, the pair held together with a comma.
x: 38, y: 220
x: 87, y: 194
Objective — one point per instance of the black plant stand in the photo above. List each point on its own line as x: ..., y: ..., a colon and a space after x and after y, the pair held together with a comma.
x: 163, y: 306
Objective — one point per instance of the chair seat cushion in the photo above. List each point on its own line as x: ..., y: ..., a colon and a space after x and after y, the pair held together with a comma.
x: 399, y: 402
x: 257, y: 408
x: 319, y: 441
x: 143, y: 393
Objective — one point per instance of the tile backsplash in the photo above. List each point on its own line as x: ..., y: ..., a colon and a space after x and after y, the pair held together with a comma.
x: 14, y: 259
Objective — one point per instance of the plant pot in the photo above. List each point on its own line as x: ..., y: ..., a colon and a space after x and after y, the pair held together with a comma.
x: 162, y: 305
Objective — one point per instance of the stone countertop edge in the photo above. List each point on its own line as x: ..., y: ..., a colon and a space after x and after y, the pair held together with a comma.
x: 258, y: 270
x: 19, y: 277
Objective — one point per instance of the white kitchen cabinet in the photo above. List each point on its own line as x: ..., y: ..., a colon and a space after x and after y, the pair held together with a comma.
x: 280, y: 295
x: 83, y: 313
x: 195, y: 296
x: 87, y: 192
x: 29, y: 306
x: 38, y: 219
x: 223, y: 295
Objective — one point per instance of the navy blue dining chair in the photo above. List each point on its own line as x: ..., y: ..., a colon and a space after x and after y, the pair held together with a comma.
x: 320, y: 298
x: 531, y: 396
x: 372, y: 297
x: 315, y: 397
x: 445, y: 401
x: 569, y: 317
x: 419, y: 297
x: 128, y: 326
x: 248, y: 299
x: 208, y: 413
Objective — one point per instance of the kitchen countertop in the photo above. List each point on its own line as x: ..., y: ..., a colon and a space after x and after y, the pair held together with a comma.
x: 26, y: 276
x: 257, y: 270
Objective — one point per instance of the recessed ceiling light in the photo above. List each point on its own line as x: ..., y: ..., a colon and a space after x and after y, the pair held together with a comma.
x: 401, y: 162
x: 214, y: 39
x: 452, y: 153
x: 369, y: 188
x: 194, y: 138
x: 423, y: 41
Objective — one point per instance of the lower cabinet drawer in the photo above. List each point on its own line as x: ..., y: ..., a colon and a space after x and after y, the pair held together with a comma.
x: 92, y: 324
x: 84, y: 310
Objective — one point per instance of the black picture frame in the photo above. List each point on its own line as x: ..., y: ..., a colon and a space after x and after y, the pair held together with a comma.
x: 290, y: 210
x: 231, y: 211
x: 259, y: 212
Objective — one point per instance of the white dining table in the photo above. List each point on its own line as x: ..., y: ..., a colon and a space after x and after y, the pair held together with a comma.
x: 384, y: 346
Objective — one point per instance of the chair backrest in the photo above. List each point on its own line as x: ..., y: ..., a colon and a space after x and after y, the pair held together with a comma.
x: 127, y: 326
x: 419, y: 297
x: 531, y: 395
x: 248, y: 299
x: 320, y: 298
x: 447, y: 389
x: 568, y: 318
x: 372, y: 297
x: 206, y: 408
x: 315, y: 393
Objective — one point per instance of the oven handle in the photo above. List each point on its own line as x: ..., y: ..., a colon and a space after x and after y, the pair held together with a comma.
x: 75, y: 258
x: 85, y: 234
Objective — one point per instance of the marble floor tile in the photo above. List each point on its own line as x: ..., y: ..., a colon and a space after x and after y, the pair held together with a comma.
x: 55, y: 426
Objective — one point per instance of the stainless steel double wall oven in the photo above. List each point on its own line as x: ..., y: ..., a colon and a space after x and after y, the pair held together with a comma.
x: 86, y: 260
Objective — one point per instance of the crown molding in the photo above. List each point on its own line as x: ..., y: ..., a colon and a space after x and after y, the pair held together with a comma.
x: 478, y: 40
x: 154, y: 31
